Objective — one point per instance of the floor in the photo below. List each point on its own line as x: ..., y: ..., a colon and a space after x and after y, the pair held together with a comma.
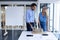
x: 12, y: 35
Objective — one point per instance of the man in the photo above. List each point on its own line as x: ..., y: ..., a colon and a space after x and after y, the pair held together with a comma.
x: 30, y: 17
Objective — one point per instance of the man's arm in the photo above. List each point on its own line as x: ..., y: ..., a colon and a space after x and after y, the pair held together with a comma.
x: 28, y: 18
x: 39, y: 22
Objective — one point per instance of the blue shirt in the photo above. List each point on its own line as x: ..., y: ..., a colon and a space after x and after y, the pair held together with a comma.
x: 43, y: 21
x: 29, y: 16
x: 42, y: 18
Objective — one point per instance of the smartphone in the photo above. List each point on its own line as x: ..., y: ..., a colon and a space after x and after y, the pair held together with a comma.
x: 29, y: 35
x: 45, y: 34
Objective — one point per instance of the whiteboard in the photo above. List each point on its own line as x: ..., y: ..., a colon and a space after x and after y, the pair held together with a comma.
x: 14, y: 15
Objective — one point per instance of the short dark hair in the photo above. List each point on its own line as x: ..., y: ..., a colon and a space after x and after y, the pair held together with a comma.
x: 33, y: 4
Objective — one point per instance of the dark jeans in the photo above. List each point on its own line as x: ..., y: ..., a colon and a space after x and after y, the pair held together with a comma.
x: 2, y: 24
x: 29, y: 27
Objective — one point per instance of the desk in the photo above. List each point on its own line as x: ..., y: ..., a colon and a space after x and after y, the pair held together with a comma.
x: 39, y: 36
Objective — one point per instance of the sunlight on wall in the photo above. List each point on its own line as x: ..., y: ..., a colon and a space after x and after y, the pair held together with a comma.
x: 56, y: 16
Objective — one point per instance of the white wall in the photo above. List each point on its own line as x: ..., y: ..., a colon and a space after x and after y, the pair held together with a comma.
x: 56, y: 16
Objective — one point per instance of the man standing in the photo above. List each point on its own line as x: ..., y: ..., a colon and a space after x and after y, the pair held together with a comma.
x: 30, y: 17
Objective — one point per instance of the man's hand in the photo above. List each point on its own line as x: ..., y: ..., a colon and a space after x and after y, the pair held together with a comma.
x: 48, y: 30
x: 32, y: 27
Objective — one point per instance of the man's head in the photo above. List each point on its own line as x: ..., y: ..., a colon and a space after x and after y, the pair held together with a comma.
x: 33, y: 6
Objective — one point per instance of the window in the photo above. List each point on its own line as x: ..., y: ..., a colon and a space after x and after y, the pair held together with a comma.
x: 51, y: 19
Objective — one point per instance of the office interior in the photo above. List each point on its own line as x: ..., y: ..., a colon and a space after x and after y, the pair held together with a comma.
x: 13, y: 16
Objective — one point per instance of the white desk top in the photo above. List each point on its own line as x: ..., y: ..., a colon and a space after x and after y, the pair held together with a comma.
x: 50, y: 36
